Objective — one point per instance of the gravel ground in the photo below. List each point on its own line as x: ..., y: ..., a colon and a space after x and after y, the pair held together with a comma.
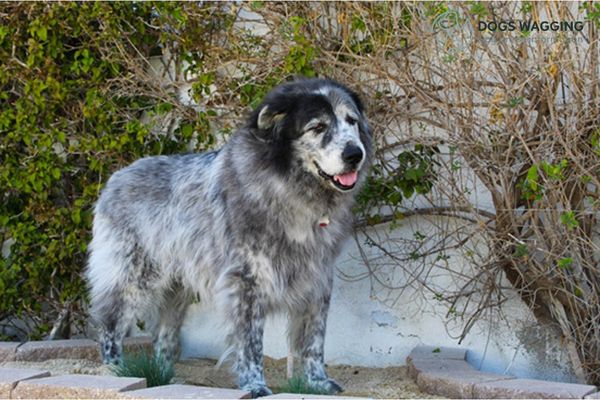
x: 391, y: 382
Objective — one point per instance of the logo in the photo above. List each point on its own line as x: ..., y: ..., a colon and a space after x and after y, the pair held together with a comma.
x: 530, y: 26
x: 452, y: 35
x: 447, y: 20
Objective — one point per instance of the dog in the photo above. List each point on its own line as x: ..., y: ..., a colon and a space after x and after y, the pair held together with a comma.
x: 254, y: 227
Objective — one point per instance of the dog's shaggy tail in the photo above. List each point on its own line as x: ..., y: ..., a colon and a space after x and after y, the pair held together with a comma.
x: 225, y: 356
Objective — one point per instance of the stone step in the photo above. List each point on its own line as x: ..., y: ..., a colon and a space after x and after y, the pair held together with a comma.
x: 42, y: 350
x: 457, y: 384
x: 186, y: 392
x: 10, y: 377
x: 294, y: 396
x: 452, y: 378
x: 69, y: 348
x: 8, y: 351
x: 444, y: 372
x: 417, y: 366
x: 437, y: 353
x: 76, y: 386
x: 531, y: 388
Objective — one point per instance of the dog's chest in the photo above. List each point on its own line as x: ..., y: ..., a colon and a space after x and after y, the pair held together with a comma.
x: 292, y: 271
x: 291, y: 281
x: 309, y: 226
x: 311, y: 230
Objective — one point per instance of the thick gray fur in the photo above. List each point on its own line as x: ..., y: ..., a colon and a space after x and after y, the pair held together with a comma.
x: 227, y: 227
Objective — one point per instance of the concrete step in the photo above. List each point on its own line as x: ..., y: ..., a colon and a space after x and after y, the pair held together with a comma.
x: 41, y: 350
x: 437, y: 353
x: 76, y: 386
x: 531, y: 389
x: 186, y: 392
x: 294, y: 396
x: 444, y: 372
x: 8, y: 351
x: 10, y: 377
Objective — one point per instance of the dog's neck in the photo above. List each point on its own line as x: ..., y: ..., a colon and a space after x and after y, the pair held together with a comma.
x: 297, y: 191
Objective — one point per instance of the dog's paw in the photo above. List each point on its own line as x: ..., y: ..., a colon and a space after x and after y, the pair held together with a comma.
x: 258, y: 390
x: 327, y: 386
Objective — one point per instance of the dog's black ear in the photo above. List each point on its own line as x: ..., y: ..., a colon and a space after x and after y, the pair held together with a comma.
x: 265, y: 121
x: 356, y: 99
x: 267, y: 118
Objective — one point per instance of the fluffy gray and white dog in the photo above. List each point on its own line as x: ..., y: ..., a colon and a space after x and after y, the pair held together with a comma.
x: 254, y: 227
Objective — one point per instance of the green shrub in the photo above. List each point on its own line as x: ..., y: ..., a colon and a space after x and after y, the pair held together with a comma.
x: 156, y: 370
x: 73, y: 93
x: 299, y: 384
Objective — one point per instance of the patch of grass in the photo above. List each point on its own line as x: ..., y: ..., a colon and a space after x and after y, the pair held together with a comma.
x: 299, y: 384
x: 142, y: 364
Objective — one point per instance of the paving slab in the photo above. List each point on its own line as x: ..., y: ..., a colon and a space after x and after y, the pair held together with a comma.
x: 9, y: 377
x: 437, y: 353
x: 51, y: 349
x: 310, y: 396
x: 8, y: 351
x: 186, y: 392
x: 417, y: 366
x: 76, y: 386
x: 455, y: 384
x: 531, y: 388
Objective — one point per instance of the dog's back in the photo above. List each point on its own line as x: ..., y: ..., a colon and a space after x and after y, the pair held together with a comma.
x: 148, y: 219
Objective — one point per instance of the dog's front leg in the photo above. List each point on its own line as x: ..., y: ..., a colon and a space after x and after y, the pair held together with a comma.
x: 307, y: 337
x: 247, y: 314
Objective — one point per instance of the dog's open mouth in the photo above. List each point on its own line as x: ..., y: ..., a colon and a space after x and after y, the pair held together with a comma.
x: 343, y: 181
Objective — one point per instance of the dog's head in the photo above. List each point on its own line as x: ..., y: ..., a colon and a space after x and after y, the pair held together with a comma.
x: 319, y: 125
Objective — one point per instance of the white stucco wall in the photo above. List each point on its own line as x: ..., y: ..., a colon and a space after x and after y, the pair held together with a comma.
x: 363, y: 331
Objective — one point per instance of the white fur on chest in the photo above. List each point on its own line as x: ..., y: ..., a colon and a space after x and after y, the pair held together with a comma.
x: 301, y: 223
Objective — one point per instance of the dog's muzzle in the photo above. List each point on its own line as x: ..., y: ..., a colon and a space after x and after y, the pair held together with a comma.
x: 344, y: 182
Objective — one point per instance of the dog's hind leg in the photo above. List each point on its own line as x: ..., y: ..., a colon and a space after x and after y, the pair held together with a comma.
x: 115, y: 316
x: 307, y: 338
x: 246, y: 307
x: 117, y: 289
x: 172, y: 312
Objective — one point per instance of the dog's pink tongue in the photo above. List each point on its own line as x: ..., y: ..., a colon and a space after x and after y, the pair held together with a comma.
x: 347, y: 179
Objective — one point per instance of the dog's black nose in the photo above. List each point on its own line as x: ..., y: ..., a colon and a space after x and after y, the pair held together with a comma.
x: 352, y: 154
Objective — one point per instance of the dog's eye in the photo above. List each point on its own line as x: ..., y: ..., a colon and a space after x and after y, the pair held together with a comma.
x: 350, y: 120
x: 319, y: 128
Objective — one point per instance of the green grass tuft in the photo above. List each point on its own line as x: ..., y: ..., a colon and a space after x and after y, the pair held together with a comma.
x: 298, y: 384
x: 142, y: 364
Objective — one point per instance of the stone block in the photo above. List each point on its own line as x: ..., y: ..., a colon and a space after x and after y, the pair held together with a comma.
x: 531, y: 388
x: 437, y: 353
x: 8, y: 351
x: 186, y: 392
x: 52, y: 349
x: 76, y: 386
x: 9, y: 377
x: 456, y: 384
x: 309, y: 397
x: 416, y: 366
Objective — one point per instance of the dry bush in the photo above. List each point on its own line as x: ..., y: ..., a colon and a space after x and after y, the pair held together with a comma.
x: 516, y: 119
